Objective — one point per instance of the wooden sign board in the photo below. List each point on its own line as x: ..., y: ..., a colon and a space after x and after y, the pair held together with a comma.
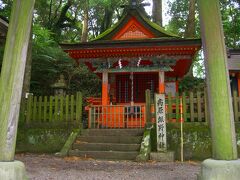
x: 161, y: 122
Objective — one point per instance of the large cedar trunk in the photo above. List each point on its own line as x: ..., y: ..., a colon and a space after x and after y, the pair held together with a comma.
x: 219, y: 96
x: 157, y: 11
x: 191, y: 23
x: 85, y: 24
x: 107, y: 20
x: 27, y: 78
x: 12, y: 74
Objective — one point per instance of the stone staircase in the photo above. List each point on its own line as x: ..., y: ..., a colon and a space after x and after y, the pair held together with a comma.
x: 110, y: 144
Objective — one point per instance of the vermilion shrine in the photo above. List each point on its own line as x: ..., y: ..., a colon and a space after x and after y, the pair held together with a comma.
x: 132, y: 56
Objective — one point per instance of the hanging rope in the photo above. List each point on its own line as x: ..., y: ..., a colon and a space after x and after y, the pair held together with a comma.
x: 131, y: 77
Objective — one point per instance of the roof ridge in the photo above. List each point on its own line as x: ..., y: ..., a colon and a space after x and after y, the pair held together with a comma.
x: 143, y: 16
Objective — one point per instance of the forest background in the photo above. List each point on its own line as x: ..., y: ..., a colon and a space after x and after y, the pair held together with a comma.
x: 72, y: 21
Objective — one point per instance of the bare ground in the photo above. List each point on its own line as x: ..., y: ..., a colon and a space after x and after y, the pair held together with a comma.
x: 49, y: 167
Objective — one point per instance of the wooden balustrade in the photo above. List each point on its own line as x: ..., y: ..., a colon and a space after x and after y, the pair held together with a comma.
x: 194, y: 109
x: 54, y: 110
x: 67, y: 110
x: 117, y: 116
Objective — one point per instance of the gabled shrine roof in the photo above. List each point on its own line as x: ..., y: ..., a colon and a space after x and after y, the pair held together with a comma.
x: 141, y: 17
x: 134, y: 36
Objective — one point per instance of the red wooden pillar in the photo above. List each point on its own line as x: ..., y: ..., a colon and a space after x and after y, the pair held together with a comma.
x: 104, y: 88
x: 177, y: 85
x: 161, y: 83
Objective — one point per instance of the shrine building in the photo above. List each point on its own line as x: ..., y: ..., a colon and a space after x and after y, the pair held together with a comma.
x: 234, y: 69
x: 132, y: 56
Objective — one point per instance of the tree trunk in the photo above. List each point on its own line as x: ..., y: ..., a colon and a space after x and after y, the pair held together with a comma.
x: 28, y: 68
x: 219, y: 94
x: 107, y: 20
x: 56, y: 27
x: 157, y: 11
x: 85, y: 24
x: 190, y: 28
x: 27, y: 79
x: 191, y: 23
x: 11, y: 80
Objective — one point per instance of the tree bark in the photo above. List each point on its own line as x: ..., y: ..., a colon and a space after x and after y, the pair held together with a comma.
x: 28, y: 68
x: 107, y: 20
x: 191, y: 22
x: 85, y: 24
x: 27, y: 79
x: 60, y: 23
x: 190, y: 30
x: 157, y: 11
x: 11, y: 80
x: 219, y: 94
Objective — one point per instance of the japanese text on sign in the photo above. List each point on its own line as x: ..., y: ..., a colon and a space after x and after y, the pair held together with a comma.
x: 161, y: 122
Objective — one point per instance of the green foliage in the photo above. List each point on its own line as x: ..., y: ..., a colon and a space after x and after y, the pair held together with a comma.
x: 231, y: 22
x: 5, y: 8
x: 56, y: 21
x: 49, y: 61
x: 191, y: 84
x: 178, y: 12
x: 198, y: 66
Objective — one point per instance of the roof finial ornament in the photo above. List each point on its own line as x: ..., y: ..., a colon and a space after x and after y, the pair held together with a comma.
x: 135, y: 4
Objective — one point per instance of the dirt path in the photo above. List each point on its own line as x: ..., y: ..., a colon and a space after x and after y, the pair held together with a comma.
x: 48, y: 167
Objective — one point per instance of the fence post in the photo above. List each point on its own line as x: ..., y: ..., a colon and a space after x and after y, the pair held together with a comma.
x: 235, y: 106
x: 177, y: 107
x: 51, y: 109
x: 191, y: 106
x: 169, y: 107
x: 148, y: 106
x: 199, y: 106
x: 79, y: 109
x: 72, y: 109
x: 67, y: 109
x: 184, y: 106
x: 40, y: 109
x: 34, y: 115
x: 61, y: 108
x: 29, y: 109
x: 206, y: 106
x: 45, y: 109
x: 55, y: 108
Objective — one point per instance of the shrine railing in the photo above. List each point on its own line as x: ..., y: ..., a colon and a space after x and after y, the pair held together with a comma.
x: 117, y: 116
x: 194, y: 107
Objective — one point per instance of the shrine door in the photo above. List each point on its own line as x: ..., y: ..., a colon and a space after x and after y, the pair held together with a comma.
x: 141, y: 82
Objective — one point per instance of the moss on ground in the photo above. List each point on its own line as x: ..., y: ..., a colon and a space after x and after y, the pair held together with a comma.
x: 197, y: 140
x: 41, y: 140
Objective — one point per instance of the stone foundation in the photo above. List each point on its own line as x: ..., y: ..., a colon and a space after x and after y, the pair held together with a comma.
x: 162, y: 156
x: 220, y: 170
x: 12, y: 171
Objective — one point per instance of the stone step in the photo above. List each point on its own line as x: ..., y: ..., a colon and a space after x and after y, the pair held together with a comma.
x: 105, y: 147
x: 113, y: 132
x: 109, y: 155
x: 110, y: 139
